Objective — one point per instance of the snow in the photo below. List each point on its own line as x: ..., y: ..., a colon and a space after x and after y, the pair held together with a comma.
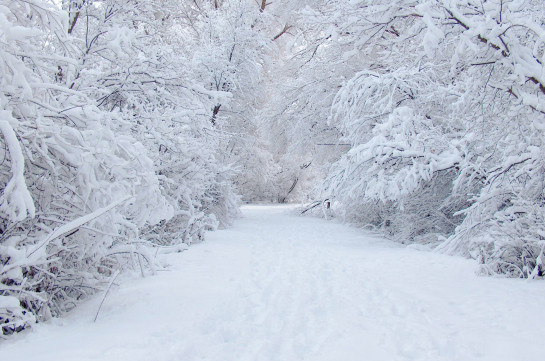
x: 281, y: 287
x: 15, y: 201
x: 76, y: 223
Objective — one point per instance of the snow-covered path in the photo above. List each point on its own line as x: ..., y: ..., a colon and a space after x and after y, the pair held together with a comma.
x: 287, y: 288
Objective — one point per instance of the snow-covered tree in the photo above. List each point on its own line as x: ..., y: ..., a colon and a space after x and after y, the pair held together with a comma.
x: 108, y: 149
x: 74, y: 193
x: 445, y: 132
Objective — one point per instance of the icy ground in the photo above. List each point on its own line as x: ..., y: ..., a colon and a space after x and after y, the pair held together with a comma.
x: 282, y: 287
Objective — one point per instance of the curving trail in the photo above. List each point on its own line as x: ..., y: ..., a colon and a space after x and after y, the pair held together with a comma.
x: 281, y: 287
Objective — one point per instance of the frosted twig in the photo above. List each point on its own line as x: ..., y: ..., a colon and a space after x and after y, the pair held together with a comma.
x: 106, y: 293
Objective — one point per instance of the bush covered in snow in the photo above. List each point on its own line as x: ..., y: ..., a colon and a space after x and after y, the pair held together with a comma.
x: 107, y: 150
x: 446, y: 126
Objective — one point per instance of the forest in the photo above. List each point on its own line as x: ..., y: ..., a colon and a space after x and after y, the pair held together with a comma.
x: 130, y: 128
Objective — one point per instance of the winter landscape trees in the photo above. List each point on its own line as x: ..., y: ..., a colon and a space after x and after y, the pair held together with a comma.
x: 128, y: 125
x: 109, y: 150
x: 445, y: 141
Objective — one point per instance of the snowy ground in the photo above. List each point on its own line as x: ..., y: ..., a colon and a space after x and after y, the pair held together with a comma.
x: 281, y: 287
